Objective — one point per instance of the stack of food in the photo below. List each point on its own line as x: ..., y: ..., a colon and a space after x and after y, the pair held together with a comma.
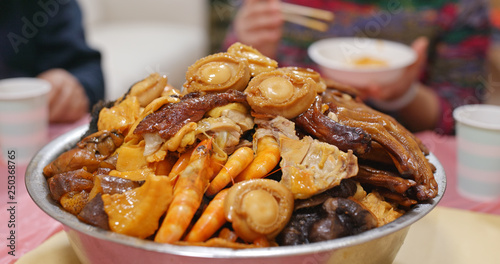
x: 246, y: 154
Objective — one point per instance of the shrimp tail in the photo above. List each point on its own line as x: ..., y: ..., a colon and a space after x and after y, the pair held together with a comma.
x: 238, y: 161
x: 210, y: 221
x: 266, y: 158
x: 188, y: 194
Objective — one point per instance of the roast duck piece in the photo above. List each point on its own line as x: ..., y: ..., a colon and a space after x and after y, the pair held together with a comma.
x: 405, y: 150
x: 345, y: 137
x: 193, y: 166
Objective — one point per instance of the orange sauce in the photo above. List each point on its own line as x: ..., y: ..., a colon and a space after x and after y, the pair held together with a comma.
x: 366, y: 61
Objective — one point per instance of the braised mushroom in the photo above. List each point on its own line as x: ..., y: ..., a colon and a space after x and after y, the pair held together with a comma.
x: 257, y: 62
x: 280, y: 93
x: 217, y: 73
x: 258, y: 208
x: 345, y: 217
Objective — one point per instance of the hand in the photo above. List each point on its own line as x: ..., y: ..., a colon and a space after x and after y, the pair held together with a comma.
x: 68, y: 101
x: 258, y: 24
x: 399, y: 87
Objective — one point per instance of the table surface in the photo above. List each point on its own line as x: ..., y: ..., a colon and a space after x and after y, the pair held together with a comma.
x: 33, y: 227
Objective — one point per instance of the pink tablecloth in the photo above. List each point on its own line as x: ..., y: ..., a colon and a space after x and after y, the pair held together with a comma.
x: 33, y: 226
x: 30, y: 224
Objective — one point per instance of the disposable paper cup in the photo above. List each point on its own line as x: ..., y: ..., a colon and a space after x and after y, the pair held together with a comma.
x: 23, y: 118
x: 478, y: 149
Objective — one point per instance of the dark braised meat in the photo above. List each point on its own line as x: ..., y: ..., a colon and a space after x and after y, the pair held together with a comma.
x: 93, y: 213
x: 170, y: 118
x: 102, y: 143
x: 71, y: 181
x: 345, y: 137
x: 385, y: 179
x: 111, y: 185
x: 109, y: 162
x: 400, y: 199
x: 71, y: 160
x: 89, y: 153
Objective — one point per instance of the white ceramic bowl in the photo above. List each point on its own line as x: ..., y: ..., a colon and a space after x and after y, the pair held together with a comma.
x: 95, y: 245
x: 361, y: 61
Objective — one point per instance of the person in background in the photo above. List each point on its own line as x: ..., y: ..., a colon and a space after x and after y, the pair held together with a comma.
x: 45, y: 39
x: 451, y: 39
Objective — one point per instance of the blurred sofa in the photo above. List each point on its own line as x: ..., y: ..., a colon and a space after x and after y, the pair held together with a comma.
x: 137, y: 38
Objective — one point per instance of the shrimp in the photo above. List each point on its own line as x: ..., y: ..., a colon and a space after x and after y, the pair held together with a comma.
x: 228, y: 235
x: 236, y: 163
x: 266, y: 158
x: 210, y: 221
x: 179, y: 166
x: 188, y: 194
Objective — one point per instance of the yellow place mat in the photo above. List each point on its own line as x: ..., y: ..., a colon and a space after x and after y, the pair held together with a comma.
x: 452, y: 236
x: 443, y: 236
x: 55, y: 250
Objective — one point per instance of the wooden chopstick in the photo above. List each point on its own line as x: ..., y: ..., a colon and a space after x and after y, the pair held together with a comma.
x: 306, y: 22
x: 304, y: 15
x: 307, y: 11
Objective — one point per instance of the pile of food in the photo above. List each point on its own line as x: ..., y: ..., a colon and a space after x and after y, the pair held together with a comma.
x: 246, y: 154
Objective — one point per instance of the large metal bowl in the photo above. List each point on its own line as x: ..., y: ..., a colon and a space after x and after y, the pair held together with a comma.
x: 94, y: 245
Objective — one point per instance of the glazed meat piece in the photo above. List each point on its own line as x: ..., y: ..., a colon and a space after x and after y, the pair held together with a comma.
x: 102, y: 144
x: 89, y: 153
x: 93, y: 213
x: 314, y: 122
x: 71, y: 181
x: 385, y: 179
x: 401, y: 200
x: 170, y: 118
x: 111, y: 185
x: 71, y: 160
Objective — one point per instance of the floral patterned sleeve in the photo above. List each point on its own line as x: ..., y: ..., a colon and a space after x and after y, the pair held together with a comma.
x: 457, y: 69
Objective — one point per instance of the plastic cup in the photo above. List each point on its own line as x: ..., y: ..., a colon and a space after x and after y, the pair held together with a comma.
x: 24, y: 118
x: 478, y: 151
